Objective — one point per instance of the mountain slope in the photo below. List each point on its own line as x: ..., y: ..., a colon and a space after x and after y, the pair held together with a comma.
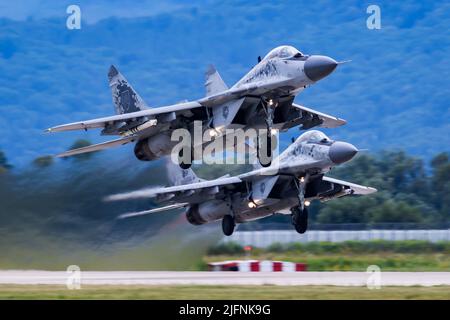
x: 394, y: 94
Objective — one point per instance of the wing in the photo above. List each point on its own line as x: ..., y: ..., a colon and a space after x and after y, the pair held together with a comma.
x: 126, y: 117
x: 167, y: 192
x: 318, y: 118
x: 97, y: 147
x: 160, y: 209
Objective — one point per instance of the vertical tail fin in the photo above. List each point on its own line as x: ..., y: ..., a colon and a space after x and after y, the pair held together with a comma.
x: 178, y: 176
x: 214, y: 83
x: 125, y: 99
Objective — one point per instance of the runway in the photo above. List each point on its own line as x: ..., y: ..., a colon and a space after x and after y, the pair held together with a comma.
x: 225, y: 278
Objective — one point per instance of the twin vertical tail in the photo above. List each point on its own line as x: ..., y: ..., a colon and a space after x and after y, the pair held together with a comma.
x: 125, y: 98
x: 213, y: 81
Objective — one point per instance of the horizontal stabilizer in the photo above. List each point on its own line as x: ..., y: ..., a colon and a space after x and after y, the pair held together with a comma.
x: 142, y: 213
x: 154, y: 192
x: 97, y: 147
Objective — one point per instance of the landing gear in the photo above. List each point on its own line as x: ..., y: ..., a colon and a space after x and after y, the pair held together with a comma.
x: 269, y: 109
x: 267, y: 144
x: 300, y: 184
x: 300, y: 219
x: 300, y: 212
x: 265, y: 150
x: 228, y: 225
x: 182, y: 162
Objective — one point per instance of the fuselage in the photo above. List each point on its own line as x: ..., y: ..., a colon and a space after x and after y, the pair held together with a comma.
x: 262, y: 99
x: 286, y: 71
x: 280, y: 76
x: 313, y: 153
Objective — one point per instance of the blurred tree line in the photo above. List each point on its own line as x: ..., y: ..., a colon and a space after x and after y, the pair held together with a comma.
x: 409, y: 191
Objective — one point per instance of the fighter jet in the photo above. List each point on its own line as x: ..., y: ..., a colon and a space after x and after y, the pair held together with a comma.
x: 286, y: 187
x: 263, y: 98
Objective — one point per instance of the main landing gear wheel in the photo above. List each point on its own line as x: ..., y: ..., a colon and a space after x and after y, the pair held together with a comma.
x: 300, y: 219
x: 228, y: 225
x: 182, y: 164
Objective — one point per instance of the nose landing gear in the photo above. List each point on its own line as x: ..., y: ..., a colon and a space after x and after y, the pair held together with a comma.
x: 264, y: 148
x: 300, y: 212
x: 269, y: 109
x: 229, y: 221
x: 300, y: 219
x: 300, y: 184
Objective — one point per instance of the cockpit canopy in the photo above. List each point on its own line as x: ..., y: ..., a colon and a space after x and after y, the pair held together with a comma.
x: 314, y: 136
x: 283, y: 52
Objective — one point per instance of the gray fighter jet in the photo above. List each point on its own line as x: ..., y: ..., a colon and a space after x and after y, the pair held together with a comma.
x: 288, y: 186
x: 263, y: 98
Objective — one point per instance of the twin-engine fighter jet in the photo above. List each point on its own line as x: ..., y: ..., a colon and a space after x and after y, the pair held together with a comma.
x: 263, y: 98
x: 288, y: 186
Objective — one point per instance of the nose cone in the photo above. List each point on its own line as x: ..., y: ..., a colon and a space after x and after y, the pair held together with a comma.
x: 318, y: 67
x: 341, y: 152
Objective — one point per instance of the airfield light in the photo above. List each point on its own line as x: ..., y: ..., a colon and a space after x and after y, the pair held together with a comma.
x: 270, y: 102
x: 307, y: 203
x: 273, y: 131
x: 302, y: 179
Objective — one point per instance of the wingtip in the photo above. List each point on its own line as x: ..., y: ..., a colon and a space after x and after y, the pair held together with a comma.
x: 121, y: 217
x: 108, y: 198
x: 130, y: 215
x: 114, y: 197
x: 368, y: 190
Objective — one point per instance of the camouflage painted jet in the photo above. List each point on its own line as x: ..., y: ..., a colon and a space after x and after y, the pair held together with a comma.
x: 287, y: 186
x: 263, y: 98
